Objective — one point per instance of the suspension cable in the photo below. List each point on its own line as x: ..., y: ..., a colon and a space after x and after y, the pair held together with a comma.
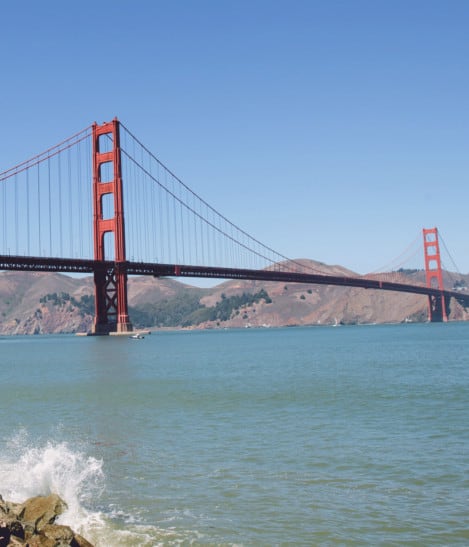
x: 448, y: 253
x: 402, y: 257
x: 206, y: 204
x: 49, y: 153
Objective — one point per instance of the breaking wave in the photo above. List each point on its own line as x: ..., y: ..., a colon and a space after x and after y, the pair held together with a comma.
x: 30, y: 469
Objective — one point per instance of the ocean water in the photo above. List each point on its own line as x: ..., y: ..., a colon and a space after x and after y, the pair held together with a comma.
x: 300, y: 436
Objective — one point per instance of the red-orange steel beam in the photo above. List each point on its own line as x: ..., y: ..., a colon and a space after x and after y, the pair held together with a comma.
x: 434, y: 274
x: 111, y: 312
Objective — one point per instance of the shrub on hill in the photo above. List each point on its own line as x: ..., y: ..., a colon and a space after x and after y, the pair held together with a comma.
x: 85, y: 304
x: 183, y: 309
x: 170, y: 312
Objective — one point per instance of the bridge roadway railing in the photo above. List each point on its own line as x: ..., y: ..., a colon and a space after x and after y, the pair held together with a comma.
x: 72, y: 265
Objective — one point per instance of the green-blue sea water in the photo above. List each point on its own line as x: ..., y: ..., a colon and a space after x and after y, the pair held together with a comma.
x: 299, y: 436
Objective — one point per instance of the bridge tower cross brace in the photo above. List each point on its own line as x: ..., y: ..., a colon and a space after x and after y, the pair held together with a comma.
x: 434, y: 276
x: 111, y: 308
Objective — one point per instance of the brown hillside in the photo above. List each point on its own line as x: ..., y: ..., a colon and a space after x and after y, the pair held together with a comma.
x: 25, y: 307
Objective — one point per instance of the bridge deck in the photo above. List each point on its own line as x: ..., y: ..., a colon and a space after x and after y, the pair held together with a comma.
x: 70, y: 265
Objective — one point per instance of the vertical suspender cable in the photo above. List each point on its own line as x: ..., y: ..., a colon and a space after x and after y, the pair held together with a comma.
x: 137, y: 219
x: 168, y: 227
x: 146, y: 227
x: 80, y: 197
x: 28, y: 216
x: 129, y: 184
x: 195, y: 240
x: 60, y: 205
x: 176, y: 236
x: 16, y: 216
x: 4, y: 211
x: 50, y: 207
x: 153, y: 212
x: 161, y: 238
x: 39, y: 212
x: 183, y: 258
x: 70, y: 202
x: 201, y: 233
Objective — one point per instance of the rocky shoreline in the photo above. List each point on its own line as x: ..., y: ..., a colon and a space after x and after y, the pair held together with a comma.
x: 32, y: 524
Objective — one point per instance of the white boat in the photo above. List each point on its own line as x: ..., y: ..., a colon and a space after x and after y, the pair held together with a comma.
x: 137, y: 336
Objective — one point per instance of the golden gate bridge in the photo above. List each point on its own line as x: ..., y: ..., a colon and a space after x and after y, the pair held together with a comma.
x: 101, y: 203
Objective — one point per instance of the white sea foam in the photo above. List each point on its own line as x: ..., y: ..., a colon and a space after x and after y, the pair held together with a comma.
x: 30, y: 469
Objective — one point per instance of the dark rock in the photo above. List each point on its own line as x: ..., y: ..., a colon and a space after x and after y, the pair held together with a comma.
x: 17, y: 529
x: 10, y: 526
x: 40, y: 540
x: 41, y: 510
x: 62, y: 535
x: 32, y: 524
x: 13, y: 525
x: 4, y: 534
x: 80, y: 541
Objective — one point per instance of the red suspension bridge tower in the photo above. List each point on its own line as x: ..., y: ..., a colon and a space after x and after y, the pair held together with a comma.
x: 110, y: 283
x: 434, y: 276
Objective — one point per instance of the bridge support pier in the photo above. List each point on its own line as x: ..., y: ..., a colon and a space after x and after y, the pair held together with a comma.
x: 111, y: 302
x: 438, y: 309
x: 111, y: 309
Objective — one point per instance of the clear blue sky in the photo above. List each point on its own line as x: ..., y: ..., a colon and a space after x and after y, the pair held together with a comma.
x: 332, y: 130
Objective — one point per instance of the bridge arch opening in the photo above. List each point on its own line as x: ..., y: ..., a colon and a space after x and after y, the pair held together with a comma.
x: 430, y: 235
x: 109, y: 246
x: 105, y: 143
x: 106, y: 172
x: 107, y: 206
